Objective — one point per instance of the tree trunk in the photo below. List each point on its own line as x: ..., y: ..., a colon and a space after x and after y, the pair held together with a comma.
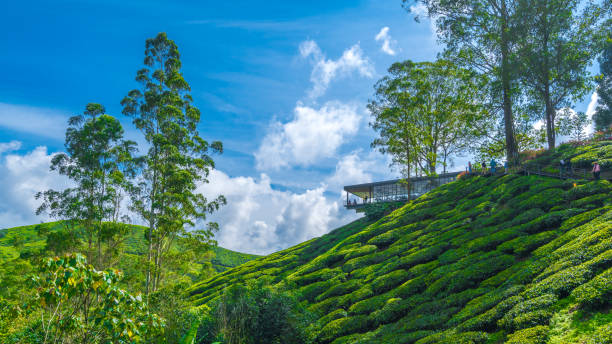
x: 550, y: 121
x: 511, y: 146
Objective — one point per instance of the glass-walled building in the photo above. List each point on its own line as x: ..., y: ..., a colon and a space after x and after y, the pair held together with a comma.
x: 394, y: 190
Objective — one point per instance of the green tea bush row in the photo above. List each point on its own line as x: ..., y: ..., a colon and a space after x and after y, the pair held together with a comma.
x: 596, y: 293
x: 533, y: 335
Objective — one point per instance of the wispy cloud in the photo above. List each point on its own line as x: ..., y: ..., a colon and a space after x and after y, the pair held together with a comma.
x: 387, y: 42
x: 223, y: 105
x: 9, y: 146
x: 325, y: 70
x: 38, y: 121
x: 256, y: 25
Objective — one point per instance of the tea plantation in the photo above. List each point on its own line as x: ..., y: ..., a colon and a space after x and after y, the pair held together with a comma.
x: 509, y: 259
x: 26, y: 239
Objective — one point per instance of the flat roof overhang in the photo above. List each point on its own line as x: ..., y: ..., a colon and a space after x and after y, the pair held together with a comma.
x: 363, y: 190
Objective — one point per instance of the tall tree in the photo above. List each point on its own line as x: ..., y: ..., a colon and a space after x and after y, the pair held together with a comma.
x: 479, y: 35
x: 557, y: 42
x: 99, y: 162
x: 177, y: 160
x: 427, y: 112
x: 603, y: 115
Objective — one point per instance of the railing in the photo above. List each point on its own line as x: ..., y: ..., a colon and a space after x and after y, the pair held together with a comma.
x: 562, y: 173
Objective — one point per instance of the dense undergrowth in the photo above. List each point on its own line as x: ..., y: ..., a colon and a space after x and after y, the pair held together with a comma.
x: 516, y: 259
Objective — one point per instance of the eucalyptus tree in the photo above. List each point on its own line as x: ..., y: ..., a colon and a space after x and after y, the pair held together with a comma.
x: 603, y: 115
x: 480, y: 34
x: 178, y: 160
x: 558, y: 40
x: 427, y: 112
x: 99, y: 162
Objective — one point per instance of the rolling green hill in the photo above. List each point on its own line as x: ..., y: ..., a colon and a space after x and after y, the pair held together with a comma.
x: 19, y: 240
x: 516, y: 259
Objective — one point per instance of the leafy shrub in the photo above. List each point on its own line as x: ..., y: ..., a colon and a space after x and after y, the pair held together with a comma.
x: 81, y: 304
x: 602, y: 335
x: 520, y: 314
x: 411, y: 287
x: 340, y: 289
x: 421, y: 256
x: 360, y: 251
x: 561, y: 283
x: 525, y: 244
x: 593, y: 201
x: 533, y: 335
x: 595, y: 293
x: 483, y: 303
x: 257, y: 314
x: 487, y: 321
x: 376, y: 211
x: 389, y: 281
x: 343, y: 326
x: 369, y: 305
x: 312, y: 291
x: 364, y: 261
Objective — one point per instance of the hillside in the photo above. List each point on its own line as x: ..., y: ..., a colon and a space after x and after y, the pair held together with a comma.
x: 516, y: 259
x: 27, y: 240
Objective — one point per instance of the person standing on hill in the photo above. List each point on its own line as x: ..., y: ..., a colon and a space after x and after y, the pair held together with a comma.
x: 484, y: 168
x: 469, y: 167
x: 596, y: 170
x: 493, y: 165
x: 561, y: 167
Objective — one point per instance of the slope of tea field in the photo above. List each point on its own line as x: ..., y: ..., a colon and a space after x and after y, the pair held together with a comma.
x: 515, y: 259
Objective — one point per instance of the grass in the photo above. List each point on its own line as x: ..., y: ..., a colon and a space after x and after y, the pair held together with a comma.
x: 517, y: 259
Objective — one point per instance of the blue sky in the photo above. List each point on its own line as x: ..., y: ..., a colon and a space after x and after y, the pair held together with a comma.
x: 282, y: 84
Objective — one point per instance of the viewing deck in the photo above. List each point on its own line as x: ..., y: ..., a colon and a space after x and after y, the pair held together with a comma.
x: 394, y: 190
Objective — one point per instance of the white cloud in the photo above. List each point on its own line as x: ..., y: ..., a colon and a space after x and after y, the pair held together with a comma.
x: 33, y: 120
x: 352, y: 169
x: 326, y: 70
x: 21, y: 177
x: 420, y: 11
x: 387, y: 42
x: 591, y: 111
x: 259, y: 219
x: 9, y: 146
x: 311, y: 135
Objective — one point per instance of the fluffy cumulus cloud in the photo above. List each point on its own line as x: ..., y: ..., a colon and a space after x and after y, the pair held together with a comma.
x: 325, y: 70
x: 387, y: 43
x: 312, y: 134
x: 259, y: 219
x: 21, y: 177
x: 352, y: 169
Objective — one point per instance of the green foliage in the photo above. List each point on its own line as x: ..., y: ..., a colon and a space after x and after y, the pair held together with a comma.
x: 255, y: 314
x: 82, y: 304
x: 375, y: 211
x: 533, y: 335
x: 602, y: 117
x: 226, y: 259
x: 426, y: 112
x: 595, y: 293
x: 100, y: 164
x: 177, y: 160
